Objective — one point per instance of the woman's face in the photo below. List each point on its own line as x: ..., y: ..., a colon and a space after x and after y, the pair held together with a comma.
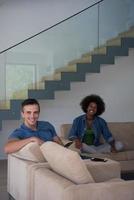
x: 92, y: 109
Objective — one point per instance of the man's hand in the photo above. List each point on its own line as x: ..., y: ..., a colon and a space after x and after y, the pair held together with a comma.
x: 37, y: 140
x: 58, y: 140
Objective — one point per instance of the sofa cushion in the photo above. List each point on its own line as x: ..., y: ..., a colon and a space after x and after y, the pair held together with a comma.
x: 66, y: 163
x: 130, y: 155
x: 30, y: 152
x: 64, y: 130
x: 117, y: 156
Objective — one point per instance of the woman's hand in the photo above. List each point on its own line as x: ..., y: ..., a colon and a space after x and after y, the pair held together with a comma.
x: 78, y: 143
x: 113, y: 149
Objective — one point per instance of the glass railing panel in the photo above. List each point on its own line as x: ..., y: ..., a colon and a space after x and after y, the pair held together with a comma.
x: 37, y: 59
x: 24, y: 75
x: 3, y: 102
x: 115, y: 17
x: 59, y: 45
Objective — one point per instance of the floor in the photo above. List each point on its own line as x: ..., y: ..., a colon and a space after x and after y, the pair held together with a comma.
x: 3, y: 180
x: 128, y: 176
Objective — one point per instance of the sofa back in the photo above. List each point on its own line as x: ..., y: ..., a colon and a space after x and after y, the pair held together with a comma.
x: 123, y: 131
x: 64, y: 130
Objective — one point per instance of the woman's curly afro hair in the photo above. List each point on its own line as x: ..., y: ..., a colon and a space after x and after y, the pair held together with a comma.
x: 96, y: 99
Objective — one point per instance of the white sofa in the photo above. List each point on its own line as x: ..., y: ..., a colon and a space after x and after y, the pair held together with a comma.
x: 122, y: 131
x: 65, y: 176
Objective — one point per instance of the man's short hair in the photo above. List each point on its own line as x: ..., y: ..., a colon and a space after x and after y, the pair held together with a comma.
x: 29, y: 102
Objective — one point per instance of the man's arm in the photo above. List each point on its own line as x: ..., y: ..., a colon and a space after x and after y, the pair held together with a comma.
x: 15, y: 144
x: 58, y: 140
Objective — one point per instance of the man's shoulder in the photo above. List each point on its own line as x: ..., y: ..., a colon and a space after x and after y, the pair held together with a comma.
x: 16, y: 133
x: 42, y: 124
x: 19, y: 129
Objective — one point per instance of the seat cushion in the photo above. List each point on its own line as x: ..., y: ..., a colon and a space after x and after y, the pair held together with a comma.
x: 66, y: 163
x: 30, y: 152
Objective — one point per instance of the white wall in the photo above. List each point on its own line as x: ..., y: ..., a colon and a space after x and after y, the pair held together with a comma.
x: 114, y: 84
x: 22, y: 19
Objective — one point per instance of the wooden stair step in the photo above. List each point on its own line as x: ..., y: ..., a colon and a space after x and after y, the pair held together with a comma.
x: 80, y: 60
x: 67, y: 68
x: 127, y: 34
x: 114, y: 42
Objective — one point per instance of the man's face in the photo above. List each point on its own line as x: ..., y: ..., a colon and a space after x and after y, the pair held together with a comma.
x: 30, y: 114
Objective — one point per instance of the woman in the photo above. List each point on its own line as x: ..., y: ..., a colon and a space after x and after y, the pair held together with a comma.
x: 88, y: 128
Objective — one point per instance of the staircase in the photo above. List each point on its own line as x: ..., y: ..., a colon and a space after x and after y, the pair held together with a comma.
x: 75, y: 71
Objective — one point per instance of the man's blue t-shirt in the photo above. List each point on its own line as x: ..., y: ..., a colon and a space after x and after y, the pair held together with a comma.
x: 45, y: 131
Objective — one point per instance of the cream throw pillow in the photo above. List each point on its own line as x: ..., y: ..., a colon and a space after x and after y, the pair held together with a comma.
x: 30, y: 152
x: 66, y: 163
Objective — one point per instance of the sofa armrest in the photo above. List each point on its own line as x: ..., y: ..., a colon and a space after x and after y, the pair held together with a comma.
x: 49, y: 185
x: 106, y: 190
x: 103, y: 171
x: 20, y: 177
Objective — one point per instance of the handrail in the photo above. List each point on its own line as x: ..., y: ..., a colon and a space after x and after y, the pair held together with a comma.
x: 51, y: 26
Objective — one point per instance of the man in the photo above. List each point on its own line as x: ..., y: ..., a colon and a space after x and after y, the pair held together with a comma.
x: 31, y: 130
